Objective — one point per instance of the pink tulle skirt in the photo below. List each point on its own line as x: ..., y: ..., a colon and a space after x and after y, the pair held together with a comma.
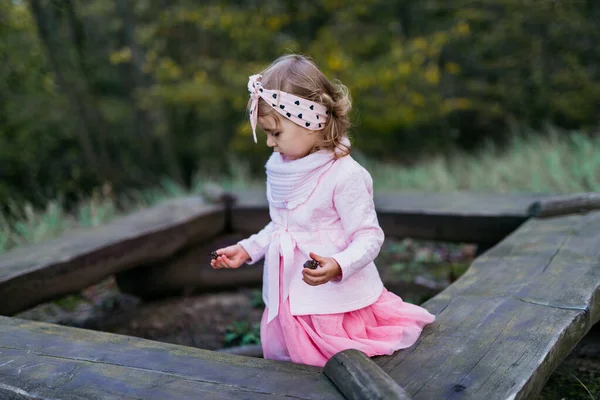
x: 385, y: 326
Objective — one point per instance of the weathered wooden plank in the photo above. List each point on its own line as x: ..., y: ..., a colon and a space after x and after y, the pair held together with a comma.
x: 189, y: 271
x: 51, y: 361
x: 250, y: 211
x: 358, y: 377
x: 507, y: 323
x: 566, y: 204
x: 33, y: 274
x: 250, y: 350
x: 453, y: 217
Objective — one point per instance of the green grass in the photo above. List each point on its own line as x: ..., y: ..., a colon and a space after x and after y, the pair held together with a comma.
x: 568, y: 382
x: 560, y: 162
x: 39, y: 225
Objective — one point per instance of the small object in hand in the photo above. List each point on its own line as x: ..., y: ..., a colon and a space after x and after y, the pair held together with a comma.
x: 214, y: 255
x: 311, y: 264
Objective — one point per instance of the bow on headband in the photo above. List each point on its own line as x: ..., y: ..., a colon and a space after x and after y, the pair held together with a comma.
x: 306, y: 113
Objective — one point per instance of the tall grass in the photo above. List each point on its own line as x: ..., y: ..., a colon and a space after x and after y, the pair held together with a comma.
x: 559, y: 162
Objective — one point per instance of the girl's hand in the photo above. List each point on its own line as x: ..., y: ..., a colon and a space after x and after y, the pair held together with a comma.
x: 329, y: 269
x: 230, y: 257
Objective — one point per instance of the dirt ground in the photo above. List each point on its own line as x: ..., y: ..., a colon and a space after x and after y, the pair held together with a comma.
x: 199, y: 321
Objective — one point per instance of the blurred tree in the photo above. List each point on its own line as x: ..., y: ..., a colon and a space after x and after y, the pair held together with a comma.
x: 38, y: 143
x: 129, y: 92
x: 69, y: 70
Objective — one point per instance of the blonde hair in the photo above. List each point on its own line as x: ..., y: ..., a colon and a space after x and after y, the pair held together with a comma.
x: 300, y: 76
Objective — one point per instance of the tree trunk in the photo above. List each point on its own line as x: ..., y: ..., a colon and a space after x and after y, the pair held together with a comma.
x: 92, y: 108
x: 46, y: 36
x: 70, y: 83
x: 148, y: 126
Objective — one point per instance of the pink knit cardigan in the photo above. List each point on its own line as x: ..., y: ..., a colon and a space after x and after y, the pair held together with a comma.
x: 337, y: 219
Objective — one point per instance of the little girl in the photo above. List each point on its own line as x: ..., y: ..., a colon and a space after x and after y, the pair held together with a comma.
x: 321, y: 207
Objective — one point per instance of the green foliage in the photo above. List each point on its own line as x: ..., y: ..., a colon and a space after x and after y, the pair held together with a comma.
x: 242, y: 333
x: 69, y: 303
x: 125, y: 93
x: 36, y: 145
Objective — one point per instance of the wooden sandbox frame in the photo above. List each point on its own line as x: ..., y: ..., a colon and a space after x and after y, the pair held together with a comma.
x: 501, y: 328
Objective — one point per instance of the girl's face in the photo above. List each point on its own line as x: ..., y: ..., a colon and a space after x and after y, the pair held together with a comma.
x: 287, y: 138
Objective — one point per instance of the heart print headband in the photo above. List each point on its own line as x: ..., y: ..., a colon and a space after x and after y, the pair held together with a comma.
x: 306, y: 113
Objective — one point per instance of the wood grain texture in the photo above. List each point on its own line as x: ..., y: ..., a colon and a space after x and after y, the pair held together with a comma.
x: 250, y: 211
x: 33, y: 274
x: 357, y: 377
x: 250, y: 350
x: 55, y: 362
x: 189, y: 271
x: 566, y: 204
x: 509, y: 321
x: 453, y: 217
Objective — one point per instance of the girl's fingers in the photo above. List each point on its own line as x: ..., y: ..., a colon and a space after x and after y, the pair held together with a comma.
x: 227, y: 262
x: 224, y: 262
x: 315, y: 273
x: 231, y: 262
x: 230, y: 251
x: 309, y: 282
x: 220, y: 262
x: 316, y: 257
x: 314, y: 281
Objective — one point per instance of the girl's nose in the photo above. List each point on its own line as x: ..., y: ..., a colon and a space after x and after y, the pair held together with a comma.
x: 270, y: 141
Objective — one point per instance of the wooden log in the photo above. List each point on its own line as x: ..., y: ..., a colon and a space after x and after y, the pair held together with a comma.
x: 483, y: 219
x: 250, y: 211
x: 563, y: 205
x: 251, y: 350
x: 77, y: 259
x: 187, y: 272
x: 39, y: 360
x: 453, y: 217
x: 357, y: 377
x: 507, y: 323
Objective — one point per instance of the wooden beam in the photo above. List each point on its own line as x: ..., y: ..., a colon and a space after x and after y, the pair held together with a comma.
x: 77, y: 259
x: 250, y: 350
x: 189, y: 271
x: 508, y: 322
x: 358, y: 377
x: 563, y: 205
x: 249, y: 212
x: 39, y: 360
x: 453, y: 217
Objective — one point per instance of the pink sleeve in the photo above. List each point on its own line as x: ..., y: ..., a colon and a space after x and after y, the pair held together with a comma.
x: 256, y: 245
x: 353, y: 200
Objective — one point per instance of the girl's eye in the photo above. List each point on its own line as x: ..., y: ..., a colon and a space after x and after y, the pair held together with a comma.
x: 276, y: 134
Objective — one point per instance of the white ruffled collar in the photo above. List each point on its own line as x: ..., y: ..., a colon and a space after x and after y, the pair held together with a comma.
x: 291, y: 182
